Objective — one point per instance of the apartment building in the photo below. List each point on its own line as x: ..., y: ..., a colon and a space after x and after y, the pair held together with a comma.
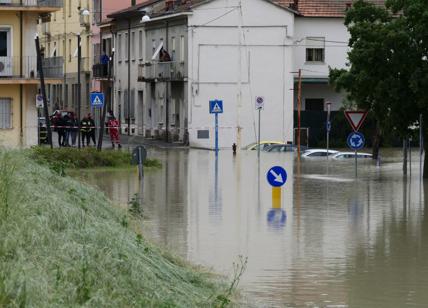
x: 18, y: 69
x: 59, y: 38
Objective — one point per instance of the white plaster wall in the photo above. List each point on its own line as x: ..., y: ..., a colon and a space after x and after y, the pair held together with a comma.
x: 336, y: 45
x: 220, y: 69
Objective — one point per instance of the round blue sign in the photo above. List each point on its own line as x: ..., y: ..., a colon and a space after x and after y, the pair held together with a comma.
x: 276, y: 176
x: 276, y: 217
x: 356, y: 141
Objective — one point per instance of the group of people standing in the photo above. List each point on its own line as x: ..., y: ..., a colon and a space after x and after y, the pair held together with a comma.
x: 66, y: 125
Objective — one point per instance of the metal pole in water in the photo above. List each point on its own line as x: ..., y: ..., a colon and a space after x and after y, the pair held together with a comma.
x: 356, y: 163
x: 140, y: 164
x: 258, y: 142
x: 328, y: 127
x: 410, y: 156
x: 421, y: 144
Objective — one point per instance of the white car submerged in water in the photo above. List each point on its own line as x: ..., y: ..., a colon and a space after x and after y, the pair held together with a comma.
x: 318, y: 153
x: 349, y: 155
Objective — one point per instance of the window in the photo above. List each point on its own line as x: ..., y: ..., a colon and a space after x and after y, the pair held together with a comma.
x: 131, y: 111
x: 133, y: 46
x: 173, y: 48
x: 126, y: 47
x: 69, y: 8
x: 140, y: 44
x: 315, y: 49
x: 5, y: 43
x: 314, y: 104
x: 119, y: 47
x: 182, y: 48
x: 5, y: 113
x: 69, y: 50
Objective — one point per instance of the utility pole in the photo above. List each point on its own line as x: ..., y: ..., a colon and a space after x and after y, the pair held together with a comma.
x: 42, y: 85
x: 79, y: 86
x: 299, y: 108
x: 129, y: 77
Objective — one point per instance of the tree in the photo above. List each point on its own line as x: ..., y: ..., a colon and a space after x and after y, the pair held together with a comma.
x: 412, y: 17
x: 378, y: 76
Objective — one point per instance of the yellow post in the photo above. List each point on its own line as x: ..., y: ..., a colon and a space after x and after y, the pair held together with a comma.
x: 276, y: 197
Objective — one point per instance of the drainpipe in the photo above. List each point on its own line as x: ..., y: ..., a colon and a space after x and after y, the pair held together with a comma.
x: 21, y: 74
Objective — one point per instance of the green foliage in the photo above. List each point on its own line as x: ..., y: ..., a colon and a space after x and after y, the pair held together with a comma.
x: 83, y: 158
x: 64, y: 244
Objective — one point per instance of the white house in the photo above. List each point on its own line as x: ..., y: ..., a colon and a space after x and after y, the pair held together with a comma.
x: 234, y: 51
x: 231, y: 50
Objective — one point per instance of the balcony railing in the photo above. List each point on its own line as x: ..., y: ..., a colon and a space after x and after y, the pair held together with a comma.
x: 32, y: 3
x: 162, y: 71
x: 100, y: 70
x: 10, y: 67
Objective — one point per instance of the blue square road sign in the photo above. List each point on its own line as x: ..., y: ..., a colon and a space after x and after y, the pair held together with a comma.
x: 216, y: 106
x: 97, y: 100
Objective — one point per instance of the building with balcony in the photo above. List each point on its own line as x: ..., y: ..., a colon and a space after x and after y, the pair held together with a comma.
x: 58, y: 36
x: 129, y: 38
x: 18, y: 69
x: 197, y: 51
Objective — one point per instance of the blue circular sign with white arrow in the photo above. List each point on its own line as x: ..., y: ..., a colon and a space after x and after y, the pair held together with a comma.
x: 356, y: 141
x: 277, y: 176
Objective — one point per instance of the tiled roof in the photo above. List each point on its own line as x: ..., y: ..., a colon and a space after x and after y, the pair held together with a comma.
x: 321, y: 8
x: 308, y: 8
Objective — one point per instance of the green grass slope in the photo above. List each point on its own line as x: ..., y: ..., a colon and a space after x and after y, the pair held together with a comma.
x: 63, y: 243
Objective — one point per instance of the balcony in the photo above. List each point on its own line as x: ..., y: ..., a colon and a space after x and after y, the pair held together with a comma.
x: 100, y: 71
x: 162, y: 71
x: 10, y: 68
x: 42, y: 6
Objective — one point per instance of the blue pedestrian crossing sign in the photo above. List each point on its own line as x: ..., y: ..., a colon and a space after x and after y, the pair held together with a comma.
x: 356, y: 141
x: 216, y: 106
x: 97, y: 100
x: 277, y: 176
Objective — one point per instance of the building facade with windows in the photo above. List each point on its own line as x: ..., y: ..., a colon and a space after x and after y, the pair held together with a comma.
x: 18, y: 69
x: 222, y: 49
x: 129, y: 39
x: 58, y: 37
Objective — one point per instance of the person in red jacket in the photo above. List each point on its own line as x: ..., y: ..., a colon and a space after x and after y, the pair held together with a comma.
x: 113, y: 127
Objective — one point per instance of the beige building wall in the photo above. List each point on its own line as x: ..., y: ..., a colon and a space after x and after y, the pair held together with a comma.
x: 59, y: 37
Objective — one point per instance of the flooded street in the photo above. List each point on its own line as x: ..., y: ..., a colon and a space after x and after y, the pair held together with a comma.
x: 338, y: 242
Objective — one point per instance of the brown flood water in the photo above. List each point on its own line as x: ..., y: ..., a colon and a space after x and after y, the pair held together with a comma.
x: 343, y: 242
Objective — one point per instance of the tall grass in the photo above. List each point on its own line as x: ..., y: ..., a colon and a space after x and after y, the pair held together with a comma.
x: 62, y: 243
x: 61, y: 158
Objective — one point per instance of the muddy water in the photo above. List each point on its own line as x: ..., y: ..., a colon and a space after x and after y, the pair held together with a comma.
x: 337, y: 242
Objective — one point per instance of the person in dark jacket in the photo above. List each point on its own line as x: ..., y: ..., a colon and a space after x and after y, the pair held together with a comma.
x: 91, y: 131
x: 84, y: 130
x: 74, y: 128
x: 67, y: 130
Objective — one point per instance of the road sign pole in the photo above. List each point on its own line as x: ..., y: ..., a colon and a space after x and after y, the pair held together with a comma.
x: 356, y: 163
x: 328, y: 127
x: 258, y: 141
x: 276, y: 197
x: 216, y: 133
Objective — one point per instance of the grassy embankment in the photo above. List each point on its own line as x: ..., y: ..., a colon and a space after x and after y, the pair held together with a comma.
x: 63, y: 158
x: 64, y: 244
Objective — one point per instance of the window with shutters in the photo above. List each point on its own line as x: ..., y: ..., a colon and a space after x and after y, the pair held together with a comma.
x: 5, y: 113
x: 129, y: 107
